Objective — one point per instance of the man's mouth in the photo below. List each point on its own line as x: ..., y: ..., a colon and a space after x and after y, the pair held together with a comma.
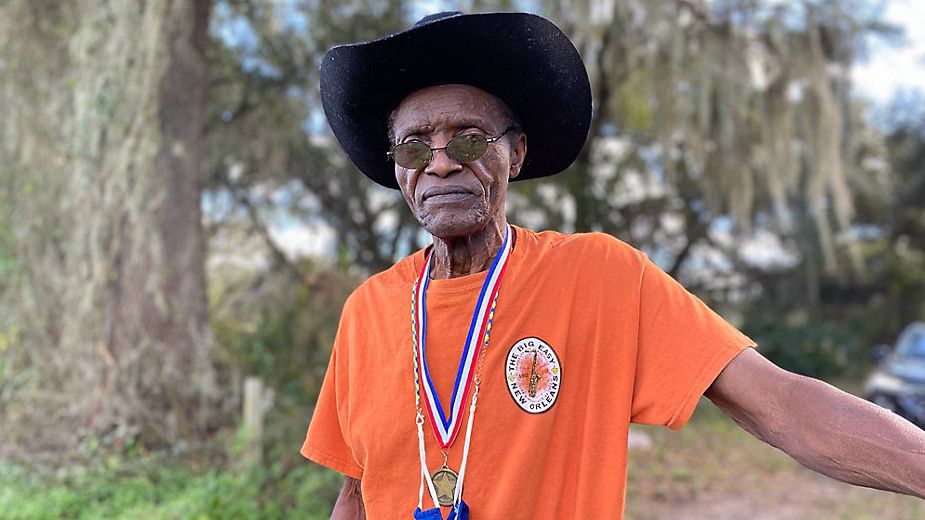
x: 446, y: 194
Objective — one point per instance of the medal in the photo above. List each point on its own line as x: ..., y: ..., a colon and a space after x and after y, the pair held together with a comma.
x: 445, y: 485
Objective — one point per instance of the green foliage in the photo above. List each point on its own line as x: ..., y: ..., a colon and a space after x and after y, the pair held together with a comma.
x: 280, y: 328
x: 159, y: 490
x: 634, y: 108
x: 819, y: 349
x: 7, y: 257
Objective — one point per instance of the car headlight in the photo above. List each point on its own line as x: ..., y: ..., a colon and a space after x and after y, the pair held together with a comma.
x: 883, y: 382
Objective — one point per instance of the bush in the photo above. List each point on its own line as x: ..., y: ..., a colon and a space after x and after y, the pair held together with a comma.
x: 158, y: 489
x: 821, y: 350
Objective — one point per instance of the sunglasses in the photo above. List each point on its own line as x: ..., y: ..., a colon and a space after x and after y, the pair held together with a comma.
x: 462, y: 148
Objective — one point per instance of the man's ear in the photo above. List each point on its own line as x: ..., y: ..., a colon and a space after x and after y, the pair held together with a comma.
x: 518, y: 154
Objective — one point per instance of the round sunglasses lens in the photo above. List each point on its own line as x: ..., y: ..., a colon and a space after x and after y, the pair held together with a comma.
x: 414, y: 155
x: 467, y: 147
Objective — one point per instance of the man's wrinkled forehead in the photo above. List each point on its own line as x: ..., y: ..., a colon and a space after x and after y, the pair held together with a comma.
x: 461, y: 105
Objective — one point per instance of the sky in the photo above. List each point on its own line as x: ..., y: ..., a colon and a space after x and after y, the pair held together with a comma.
x: 892, y: 69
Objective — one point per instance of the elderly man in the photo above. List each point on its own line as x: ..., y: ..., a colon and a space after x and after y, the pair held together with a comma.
x: 500, y: 368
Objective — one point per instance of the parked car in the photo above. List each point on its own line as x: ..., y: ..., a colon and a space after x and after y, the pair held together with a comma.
x: 898, y: 384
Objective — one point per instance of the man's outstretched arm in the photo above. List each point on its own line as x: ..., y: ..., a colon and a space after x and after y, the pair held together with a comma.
x: 349, y: 505
x: 823, y: 428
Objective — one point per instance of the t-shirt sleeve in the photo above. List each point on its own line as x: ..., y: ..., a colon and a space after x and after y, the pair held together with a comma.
x: 682, y: 347
x: 325, y: 442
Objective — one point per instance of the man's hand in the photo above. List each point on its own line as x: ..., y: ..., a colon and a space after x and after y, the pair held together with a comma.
x: 823, y: 428
x: 349, y: 505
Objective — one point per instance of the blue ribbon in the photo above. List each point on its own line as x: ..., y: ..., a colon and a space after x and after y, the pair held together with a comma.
x: 459, y: 512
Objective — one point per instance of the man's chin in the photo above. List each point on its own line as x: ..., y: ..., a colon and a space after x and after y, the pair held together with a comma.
x: 455, y: 225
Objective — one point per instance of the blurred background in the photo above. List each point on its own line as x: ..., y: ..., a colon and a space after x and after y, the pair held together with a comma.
x: 179, y: 231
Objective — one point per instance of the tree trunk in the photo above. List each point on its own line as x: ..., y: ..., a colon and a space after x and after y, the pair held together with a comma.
x: 102, y: 153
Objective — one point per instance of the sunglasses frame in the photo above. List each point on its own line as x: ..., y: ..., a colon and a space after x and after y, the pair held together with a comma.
x: 488, y: 140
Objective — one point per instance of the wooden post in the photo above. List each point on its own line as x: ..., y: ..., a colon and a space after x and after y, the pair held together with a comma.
x: 254, y: 408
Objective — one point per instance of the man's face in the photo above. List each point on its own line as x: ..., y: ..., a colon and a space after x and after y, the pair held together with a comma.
x: 449, y: 198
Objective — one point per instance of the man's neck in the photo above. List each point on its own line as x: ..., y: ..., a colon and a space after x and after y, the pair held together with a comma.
x: 470, y: 254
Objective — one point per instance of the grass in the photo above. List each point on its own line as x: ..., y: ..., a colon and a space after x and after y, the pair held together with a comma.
x: 161, y: 489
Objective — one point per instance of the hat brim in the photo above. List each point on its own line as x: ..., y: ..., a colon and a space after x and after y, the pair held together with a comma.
x: 523, y: 59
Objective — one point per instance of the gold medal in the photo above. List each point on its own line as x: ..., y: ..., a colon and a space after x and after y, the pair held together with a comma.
x: 445, y: 483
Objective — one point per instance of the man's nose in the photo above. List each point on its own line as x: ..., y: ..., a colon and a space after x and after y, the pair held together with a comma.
x: 442, y: 165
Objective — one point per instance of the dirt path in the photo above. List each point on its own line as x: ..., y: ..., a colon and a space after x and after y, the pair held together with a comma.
x: 712, y: 470
x: 798, y: 495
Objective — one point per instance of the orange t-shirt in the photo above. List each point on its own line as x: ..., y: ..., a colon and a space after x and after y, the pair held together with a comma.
x: 588, y: 336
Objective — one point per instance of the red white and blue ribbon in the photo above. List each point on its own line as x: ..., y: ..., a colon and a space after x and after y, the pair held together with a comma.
x: 446, y: 425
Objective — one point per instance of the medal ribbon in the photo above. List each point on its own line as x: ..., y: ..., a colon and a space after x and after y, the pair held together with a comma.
x: 446, y: 426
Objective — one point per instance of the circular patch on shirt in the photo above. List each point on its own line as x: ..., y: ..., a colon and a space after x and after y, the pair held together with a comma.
x: 533, y: 375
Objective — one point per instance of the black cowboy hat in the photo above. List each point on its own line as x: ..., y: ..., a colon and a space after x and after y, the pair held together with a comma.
x: 523, y: 59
